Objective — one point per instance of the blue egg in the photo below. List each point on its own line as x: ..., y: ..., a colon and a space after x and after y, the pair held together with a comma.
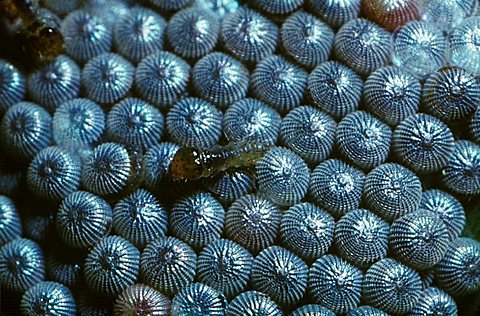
x: 419, y: 239
x: 392, y: 191
x: 336, y: 186
x: 451, y: 94
x: 12, y: 85
x: 446, y: 15
x: 78, y: 124
x: 11, y: 227
x: 194, y: 122
x: 392, y: 94
x: 54, y: 83
x: 279, y: 7
x: 251, y: 120
x: 197, y: 219
x: 312, y: 310
x: 363, y: 139
x: 280, y: 274
x: 107, y: 170
x: 54, y: 173
x: 307, y: 231
x: 193, y: 32
x: 48, y: 298
x: 225, y: 266
x: 248, y: 35
x: 199, y: 299
x: 83, y: 219
x: 474, y: 126
x: 423, y: 143
x: 462, y: 172
x: 107, y: 78
x: 230, y: 186
x: 62, y: 7
x: 361, y: 237
x: 335, y: 88
x: 139, y: 298
x: 170, y: 5
x: 157, y: 162
x: 139, y: 33
x: 282, y: 176
x: 111, y: 266
x: 109, y: 11
x: 86, y: 35
x: 420, y: 48
x: 448, y: 208
x: 161, y: 79
x: 363, y: 45
x: 366, y: 310
x: 220, y: 79
x: 26, y: 128
x: 307, y: 39
x: 134, y: 122
x: 21, y: 265
x: 253, y: 303
x: 391, y: 286
x: 64, y: 265
x: 435, y: 301
x: 252, y: 222
x: 309, y: 132
x: 221, y: 8
x: 139, y: 218
x: 279, y: 83
x: 464, y: 49
x: 168, y: 265
x: 335, y: 284
x: 457, y: 273
x: 335, y: 12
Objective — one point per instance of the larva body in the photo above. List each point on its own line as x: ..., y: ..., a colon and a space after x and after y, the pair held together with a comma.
x: 193, y: 164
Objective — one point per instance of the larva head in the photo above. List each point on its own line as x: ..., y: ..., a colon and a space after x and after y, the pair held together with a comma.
x: 186, y: 165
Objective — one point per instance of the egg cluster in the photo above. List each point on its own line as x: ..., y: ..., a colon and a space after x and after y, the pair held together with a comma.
x: 369, y: 110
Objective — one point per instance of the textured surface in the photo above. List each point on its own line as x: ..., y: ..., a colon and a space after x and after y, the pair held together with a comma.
x: 253, y: 222
x: 225, y: 266
x: 193, y: 32
x: 334, y: 283
x: 111, y: 266
x: 83, y: 219
x: 419, y: 239
x: 139, y: 218
x: 139, y: 299
x: 107, y: 169
x: 168, y: 265
x: 391, y: 286
x: 199, y: 299
x: 282, y: 176
x: 280, y: 274
x: 419, y: 47
x: 307, y: 230
x: 363, y: 45
x: 361, y: 237
x: 336, y: 186
x: 48, y: 298
x: 391, y: 96
x: 220, y: 79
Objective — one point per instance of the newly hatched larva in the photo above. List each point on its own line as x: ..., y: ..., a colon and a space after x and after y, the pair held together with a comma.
x: 190, y: 163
